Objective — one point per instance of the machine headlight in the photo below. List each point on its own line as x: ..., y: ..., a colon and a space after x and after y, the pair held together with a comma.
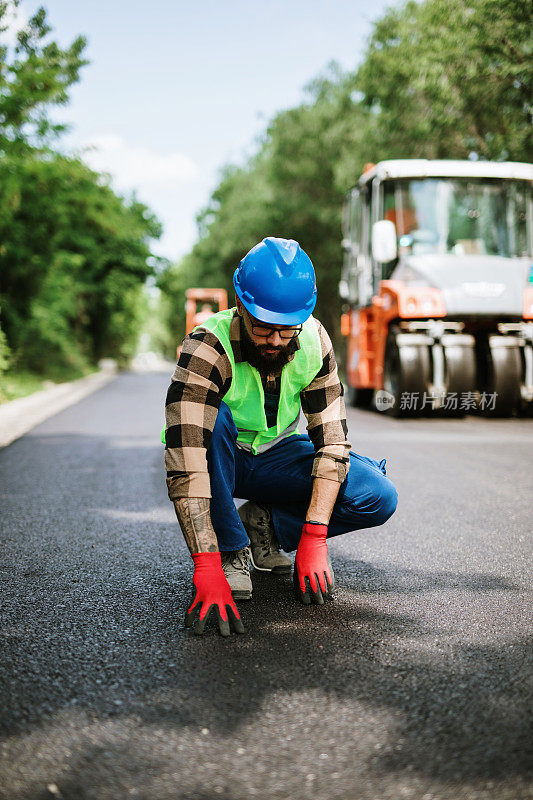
x: 421, y: 304
x: 428, y: 303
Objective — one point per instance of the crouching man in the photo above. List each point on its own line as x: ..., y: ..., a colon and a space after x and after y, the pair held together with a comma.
x: 232, y: 412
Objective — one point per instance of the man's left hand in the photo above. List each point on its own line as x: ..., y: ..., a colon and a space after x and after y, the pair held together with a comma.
x: 313, y: 573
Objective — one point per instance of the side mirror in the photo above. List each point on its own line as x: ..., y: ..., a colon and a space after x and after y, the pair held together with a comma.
x: 384, y: 245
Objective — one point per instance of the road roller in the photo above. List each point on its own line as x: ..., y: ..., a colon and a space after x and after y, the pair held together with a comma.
x: 437, y: 288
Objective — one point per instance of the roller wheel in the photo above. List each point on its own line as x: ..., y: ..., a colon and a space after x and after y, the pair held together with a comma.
x: 406, y: 370
x: 359, y: 398
x: 504, y: 373
x: 460, y: 370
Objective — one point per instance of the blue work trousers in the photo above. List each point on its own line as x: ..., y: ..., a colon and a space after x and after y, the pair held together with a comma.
x: 281, y: 478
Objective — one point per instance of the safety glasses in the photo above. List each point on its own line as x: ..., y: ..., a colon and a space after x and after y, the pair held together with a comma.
x: 263, y: 331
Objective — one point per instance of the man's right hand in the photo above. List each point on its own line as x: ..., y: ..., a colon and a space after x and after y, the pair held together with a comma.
x: 212, y: 594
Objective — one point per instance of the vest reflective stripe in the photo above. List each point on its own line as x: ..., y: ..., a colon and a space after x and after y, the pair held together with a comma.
x: 260, y: 448
x: 245, y: 396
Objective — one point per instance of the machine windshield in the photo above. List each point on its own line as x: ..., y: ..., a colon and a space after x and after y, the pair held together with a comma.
x: 460, y: 216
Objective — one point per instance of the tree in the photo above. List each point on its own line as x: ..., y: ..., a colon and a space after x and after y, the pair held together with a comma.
x: 73, y: 260
x: 316, y: 151
x: 34, y: 75
x: 239, y: 214
x: 293, y: 188
x: 74, y: 256
x: 4, y: 352
x: 440, y: 79
x: 446, y: 78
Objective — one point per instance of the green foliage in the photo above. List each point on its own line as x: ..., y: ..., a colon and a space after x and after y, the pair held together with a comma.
x: 34, y: 75
x: 239, y: 213
x: 450, y: 77
x: 440, y: 79
x: 73, y: 260
x: 74, y: 256
x: 155, y: 335
x: 315, y: 152
x: 19, y: 384
x: 293, y: 188
x: 5, y: 352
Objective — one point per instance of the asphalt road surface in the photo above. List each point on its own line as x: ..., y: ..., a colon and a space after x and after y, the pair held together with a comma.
x: 415, y: 683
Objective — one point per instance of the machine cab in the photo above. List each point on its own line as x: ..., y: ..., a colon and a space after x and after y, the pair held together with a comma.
x: 438, y: 208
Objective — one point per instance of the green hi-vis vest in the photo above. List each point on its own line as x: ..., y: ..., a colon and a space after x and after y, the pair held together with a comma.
x: 245, y: 397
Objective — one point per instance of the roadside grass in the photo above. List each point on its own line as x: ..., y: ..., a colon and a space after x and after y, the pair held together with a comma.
x: 20, y: 383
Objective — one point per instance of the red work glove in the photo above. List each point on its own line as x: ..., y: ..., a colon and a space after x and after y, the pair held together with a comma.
x: 212, y: 592
x: 313, y: 573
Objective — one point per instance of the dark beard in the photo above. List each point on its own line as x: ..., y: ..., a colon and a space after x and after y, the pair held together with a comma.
x: 266, y: 365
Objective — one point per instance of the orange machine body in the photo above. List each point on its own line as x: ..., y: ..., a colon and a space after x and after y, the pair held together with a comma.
x: 205, y: 296
x: 366, y: 328
x: 216, y: 298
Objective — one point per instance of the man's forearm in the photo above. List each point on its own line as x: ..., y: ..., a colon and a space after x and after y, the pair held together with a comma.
x: 194, y: 515
x: 323, y: 499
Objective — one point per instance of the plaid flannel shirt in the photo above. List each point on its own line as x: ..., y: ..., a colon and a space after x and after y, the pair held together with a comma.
x: 201, y: 379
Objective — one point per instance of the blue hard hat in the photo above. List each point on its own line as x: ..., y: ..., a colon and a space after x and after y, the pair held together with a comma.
x: 276, y: 283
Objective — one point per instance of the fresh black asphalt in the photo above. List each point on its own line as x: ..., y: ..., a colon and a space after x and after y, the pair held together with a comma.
x: 415, y: 683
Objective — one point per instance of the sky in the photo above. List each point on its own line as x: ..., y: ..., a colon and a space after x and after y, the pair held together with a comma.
x: 177, y: 89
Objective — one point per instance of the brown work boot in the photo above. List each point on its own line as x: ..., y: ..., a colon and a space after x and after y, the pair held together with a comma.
x: 266, y: 552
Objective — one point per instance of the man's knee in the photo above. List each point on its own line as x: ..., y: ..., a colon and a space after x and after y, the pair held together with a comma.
x: 386, y: 502
x: 376, y: 508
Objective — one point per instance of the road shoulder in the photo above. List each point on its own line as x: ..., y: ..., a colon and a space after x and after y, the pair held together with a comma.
x: 19, y: 416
